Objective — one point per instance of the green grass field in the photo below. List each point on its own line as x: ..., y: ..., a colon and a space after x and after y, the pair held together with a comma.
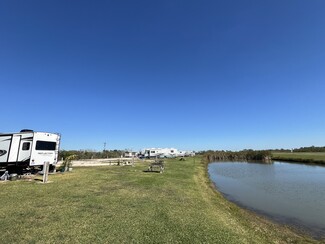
x: 123, y: 204
x: 310, y: 157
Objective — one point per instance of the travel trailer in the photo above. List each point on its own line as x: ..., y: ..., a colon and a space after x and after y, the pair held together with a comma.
x: 186, y: 154
x: 164, y: 153
x: 159, y: 152
x: 28, y: 149
x: 130, y: 154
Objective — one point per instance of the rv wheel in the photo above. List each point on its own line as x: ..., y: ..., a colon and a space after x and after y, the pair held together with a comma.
x: 52, y: 168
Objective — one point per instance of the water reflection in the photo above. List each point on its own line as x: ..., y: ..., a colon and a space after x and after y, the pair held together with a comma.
x: 290, y: 193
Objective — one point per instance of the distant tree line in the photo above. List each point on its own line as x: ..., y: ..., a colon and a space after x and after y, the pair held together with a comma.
x: 310, y: 149
x: 89, y: 154
x: 301, y: 149
x: 245, y: 155
x: 279, y: 150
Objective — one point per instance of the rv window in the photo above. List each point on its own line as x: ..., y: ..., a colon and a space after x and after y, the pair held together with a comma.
x: 152, y: 151
x: 26, y: 146
x: 45, y: 145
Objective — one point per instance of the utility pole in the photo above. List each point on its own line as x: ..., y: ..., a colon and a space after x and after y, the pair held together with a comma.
x: 104, y: 146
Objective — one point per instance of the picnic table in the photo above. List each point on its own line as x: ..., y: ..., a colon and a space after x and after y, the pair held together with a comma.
x: 157, y: 166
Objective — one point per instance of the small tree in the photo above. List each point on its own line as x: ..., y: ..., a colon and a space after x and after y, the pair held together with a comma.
x: 67, y: 162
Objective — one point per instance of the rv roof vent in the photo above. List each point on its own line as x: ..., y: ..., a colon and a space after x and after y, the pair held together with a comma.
x: 26, y: 130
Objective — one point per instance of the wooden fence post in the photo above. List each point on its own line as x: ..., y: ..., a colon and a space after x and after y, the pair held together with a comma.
x: 46, y: 171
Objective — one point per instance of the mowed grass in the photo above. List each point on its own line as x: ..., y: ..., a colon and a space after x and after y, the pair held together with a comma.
x: 116, y: 204
x: 308, y: 157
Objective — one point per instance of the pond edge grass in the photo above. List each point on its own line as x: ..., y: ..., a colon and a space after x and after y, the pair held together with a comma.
x: 259, y: 221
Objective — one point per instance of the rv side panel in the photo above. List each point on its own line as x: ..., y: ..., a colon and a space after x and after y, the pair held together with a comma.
x: 45, y: 148
x: 14, y: 148
x: 4, y: 148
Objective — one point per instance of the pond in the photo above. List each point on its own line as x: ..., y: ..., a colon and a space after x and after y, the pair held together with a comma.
x: 288, y: 193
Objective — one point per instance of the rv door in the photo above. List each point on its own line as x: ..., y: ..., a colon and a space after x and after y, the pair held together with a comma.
x: 25, y: 150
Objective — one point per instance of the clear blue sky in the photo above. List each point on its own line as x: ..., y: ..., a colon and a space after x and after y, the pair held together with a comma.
x: 185, y: 74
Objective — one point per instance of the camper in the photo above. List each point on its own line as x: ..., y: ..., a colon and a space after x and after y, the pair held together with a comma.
x: 159, y: 152
x: 152, y: 152
x: 164, y: 153
x: 28, y: 149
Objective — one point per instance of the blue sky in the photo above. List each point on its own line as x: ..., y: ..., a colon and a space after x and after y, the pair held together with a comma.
x: 186, y: 74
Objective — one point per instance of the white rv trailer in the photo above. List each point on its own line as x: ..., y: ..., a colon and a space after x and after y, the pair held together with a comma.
x: 156, y: 152
x: 165, y: 153
x: 29, y: 148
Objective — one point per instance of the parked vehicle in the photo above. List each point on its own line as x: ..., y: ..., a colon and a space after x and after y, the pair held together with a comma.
x: 167, y: 156
x: 28, y: 149
x: 159, y: 152
x: 164, y: 153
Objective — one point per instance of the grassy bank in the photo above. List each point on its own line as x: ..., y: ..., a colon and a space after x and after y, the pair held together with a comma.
x: 126, y: 205
x: 304, y: 157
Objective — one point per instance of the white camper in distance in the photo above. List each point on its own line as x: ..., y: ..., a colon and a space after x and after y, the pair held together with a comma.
x: 28, y: 149
x: 159, y: 152
x: 165, y: 153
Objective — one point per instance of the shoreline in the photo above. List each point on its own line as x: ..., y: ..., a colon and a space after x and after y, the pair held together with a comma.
x: 301, y: 161
x: 310, y: 158
x: 265, y: 219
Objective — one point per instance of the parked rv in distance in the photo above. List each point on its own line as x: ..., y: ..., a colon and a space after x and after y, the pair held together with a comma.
x: 28, y: 149
x: 164, y: 153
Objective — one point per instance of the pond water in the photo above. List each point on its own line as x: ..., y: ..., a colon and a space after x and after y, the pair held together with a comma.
x: 289, y: 193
